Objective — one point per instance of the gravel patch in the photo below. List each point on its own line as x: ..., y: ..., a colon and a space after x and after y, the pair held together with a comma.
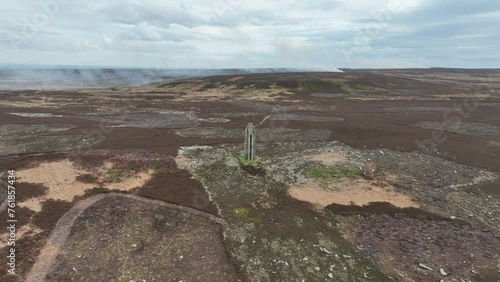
x: 215, y: 120
x: 235, y: 115
x: 26, y: 139
x: 36, y: 115
x: 329, y: 95
x: 464, y: 128
x: 418, y: 109
x: 297, y: 117
x: 162, y: 119
x: 13, y: 130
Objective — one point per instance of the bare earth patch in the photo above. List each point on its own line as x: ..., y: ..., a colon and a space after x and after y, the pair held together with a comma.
x: 27, y: 230
x: 61, y: 179
x: 345, y: 192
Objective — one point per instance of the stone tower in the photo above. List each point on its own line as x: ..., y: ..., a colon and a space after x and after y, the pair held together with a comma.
x: 249, y: 150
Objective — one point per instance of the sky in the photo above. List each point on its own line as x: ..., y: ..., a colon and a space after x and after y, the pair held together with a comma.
x: 319, y: 34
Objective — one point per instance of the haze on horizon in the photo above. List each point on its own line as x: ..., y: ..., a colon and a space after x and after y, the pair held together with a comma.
x: 322, y: 34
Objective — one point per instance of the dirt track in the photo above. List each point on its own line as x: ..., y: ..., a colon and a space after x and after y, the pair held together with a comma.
x: 58, y: 237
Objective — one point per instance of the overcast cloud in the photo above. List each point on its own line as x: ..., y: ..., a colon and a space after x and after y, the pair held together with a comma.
x: 321, y: 34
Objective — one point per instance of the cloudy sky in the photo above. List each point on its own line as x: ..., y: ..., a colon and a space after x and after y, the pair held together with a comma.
x: 321, y: 34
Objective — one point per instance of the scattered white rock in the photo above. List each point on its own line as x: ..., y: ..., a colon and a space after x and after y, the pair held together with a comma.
x: 181, y: 257
x: 134, y: 245
x: 324, y: 250
x: 317, y: 268
x: 282, y: 262
x: 74, y: 269
x: 330, y: 275
x: 443, y: 272
x: 421, y: 265
x: 453, y: 217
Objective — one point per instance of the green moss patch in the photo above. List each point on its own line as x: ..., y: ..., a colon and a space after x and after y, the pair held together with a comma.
x: 241, y: 159
x: 333, y: 172
x: 243, y: 215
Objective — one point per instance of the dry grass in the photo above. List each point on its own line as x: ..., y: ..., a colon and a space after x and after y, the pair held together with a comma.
x: 196, y: 89
x: 42, y: 102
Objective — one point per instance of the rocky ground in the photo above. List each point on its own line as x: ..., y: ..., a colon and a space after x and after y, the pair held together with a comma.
x: 266, y: 224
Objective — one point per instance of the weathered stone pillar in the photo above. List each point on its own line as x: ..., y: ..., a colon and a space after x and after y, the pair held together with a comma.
x: 249, y: 150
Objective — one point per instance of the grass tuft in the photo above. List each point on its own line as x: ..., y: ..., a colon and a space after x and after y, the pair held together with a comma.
x: 333, y: 172
x: 117, y: 175
x: 241, y: 159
